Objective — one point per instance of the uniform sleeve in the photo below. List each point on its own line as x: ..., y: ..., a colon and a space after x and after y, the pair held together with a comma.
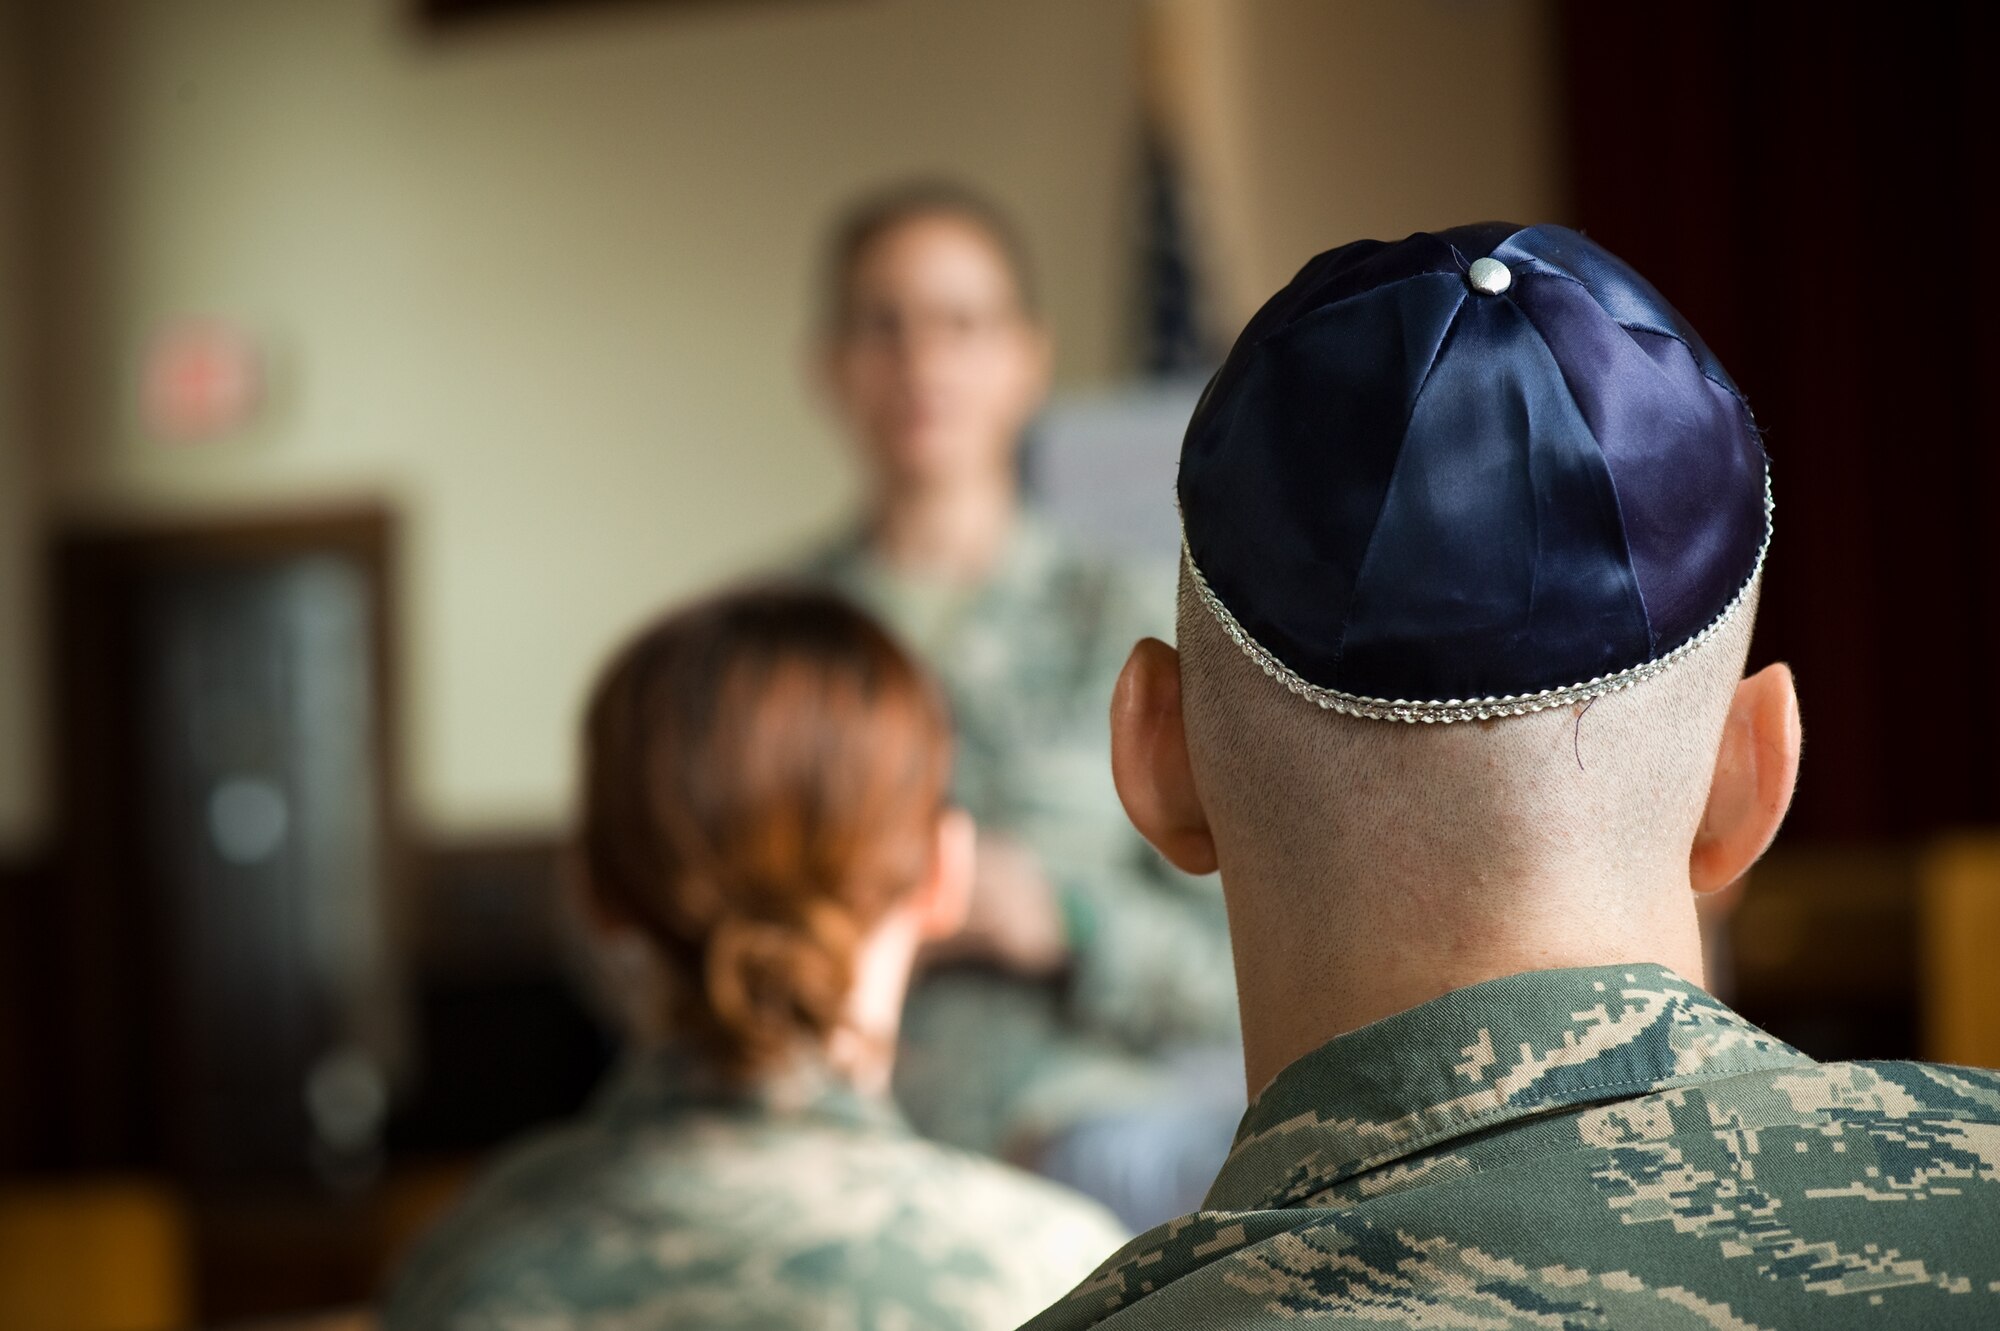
x: 1151, y: 961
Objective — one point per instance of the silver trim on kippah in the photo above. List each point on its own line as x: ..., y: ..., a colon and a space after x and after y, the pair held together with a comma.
x: 1464, y: 709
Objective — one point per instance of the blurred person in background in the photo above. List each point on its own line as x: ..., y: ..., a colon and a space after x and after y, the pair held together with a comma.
x: 766, y: 842
x: 1083, y: 1021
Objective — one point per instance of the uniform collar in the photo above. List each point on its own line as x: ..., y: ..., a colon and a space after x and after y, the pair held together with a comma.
x: 653, y: 1085
x: 1476, y: 1059
x: 1032, y: 551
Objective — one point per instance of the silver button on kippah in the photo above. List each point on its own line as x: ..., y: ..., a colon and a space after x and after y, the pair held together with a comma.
x: 1489, y: 277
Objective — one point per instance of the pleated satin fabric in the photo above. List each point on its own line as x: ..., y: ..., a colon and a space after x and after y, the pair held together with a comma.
x: 1403, y: 488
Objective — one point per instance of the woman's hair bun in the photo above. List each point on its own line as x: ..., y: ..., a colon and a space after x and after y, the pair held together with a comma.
x: 763, y: 774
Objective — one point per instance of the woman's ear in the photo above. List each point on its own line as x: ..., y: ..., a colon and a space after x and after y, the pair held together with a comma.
x: 1755, y: 771
x: 944, y: 896
x: 1149, y: 759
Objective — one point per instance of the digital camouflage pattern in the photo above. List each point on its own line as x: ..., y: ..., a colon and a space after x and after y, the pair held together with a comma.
x: 1605, y: 1148
x: 1028, y: 660
x: 677, y: 1203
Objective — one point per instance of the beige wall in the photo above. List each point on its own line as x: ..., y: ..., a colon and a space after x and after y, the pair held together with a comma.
x: 1314, y: 122
x: 21, y: 803
x: 540, y: 285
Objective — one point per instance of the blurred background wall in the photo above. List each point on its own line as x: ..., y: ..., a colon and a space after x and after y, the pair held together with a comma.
x: 543, y: 282
x: 1304, y: 121
x: 22, y: 809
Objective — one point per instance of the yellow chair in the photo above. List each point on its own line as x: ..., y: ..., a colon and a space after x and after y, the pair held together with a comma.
x: 94, y: 1255
x: 1959, y: 951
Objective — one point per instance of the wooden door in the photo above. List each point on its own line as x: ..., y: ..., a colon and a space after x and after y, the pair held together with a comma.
x: 228, y: 984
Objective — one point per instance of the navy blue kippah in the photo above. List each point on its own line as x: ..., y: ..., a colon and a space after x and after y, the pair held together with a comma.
x: 1470, y: 474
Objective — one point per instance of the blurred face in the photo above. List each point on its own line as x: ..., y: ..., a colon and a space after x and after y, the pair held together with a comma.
x: 935, y: 368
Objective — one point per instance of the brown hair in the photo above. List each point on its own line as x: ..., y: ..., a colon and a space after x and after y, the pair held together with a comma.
x: 763, y: 778
x: 876, y: 215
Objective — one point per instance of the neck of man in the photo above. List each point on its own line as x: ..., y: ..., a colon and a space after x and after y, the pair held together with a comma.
x: 951, y: 529
x: 1328, y: 950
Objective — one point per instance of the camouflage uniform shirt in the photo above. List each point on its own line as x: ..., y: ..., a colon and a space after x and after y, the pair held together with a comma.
x: 1603, y: 1148
x: 678, y: 1203
x: 1028, y: 659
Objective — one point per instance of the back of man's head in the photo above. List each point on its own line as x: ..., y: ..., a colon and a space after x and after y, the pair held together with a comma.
x: 1474, y: 528
x: 1580, y: 799
x: 1474, y: 534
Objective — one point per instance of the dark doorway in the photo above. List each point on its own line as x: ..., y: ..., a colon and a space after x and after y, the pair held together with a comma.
x: 225, y: 1001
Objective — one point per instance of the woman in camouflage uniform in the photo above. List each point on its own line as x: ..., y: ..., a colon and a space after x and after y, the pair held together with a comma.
x: 1085, y: 1019
x: 766, y: 842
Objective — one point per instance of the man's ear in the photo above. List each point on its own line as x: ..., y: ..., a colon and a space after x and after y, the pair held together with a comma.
x: 944, y: 897
x: 1149, y: 759
x: 1755, y: 771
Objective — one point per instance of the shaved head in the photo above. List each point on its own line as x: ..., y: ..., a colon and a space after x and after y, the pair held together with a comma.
x: 1590, y: 790
x: 1371, y: 865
